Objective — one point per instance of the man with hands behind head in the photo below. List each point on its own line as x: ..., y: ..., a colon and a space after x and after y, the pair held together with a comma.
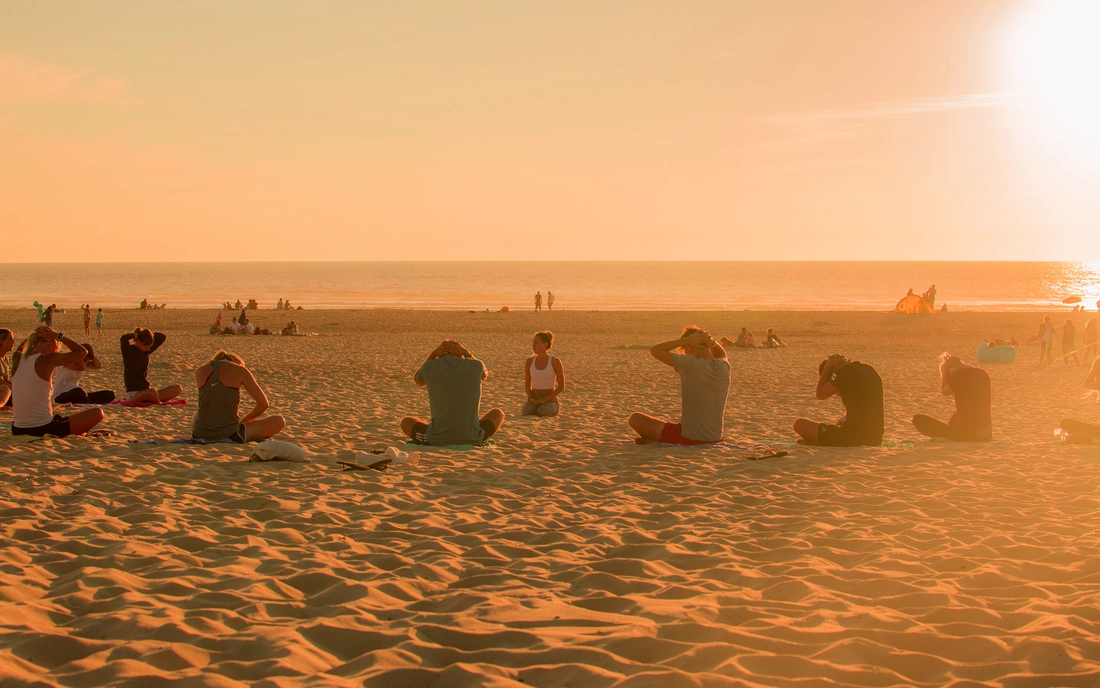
x: 704, y: 384
x: 860, y: 389
x: 453, y: 378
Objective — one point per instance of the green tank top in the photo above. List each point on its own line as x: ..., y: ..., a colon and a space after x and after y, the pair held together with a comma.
x: 218, y: 414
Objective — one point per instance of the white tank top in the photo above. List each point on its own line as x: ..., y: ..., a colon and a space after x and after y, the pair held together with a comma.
x: 542, y: 379
x: 31, y: 396
x: 65, y: 379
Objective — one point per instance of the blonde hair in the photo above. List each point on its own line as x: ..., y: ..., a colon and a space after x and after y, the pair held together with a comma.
x: 687, y: 332
x: 29, y: 344
x: 224, y: 355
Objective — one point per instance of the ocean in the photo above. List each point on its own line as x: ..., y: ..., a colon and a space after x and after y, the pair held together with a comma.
x: 658, y: 285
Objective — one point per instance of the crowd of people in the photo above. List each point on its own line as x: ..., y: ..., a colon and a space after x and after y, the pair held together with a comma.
x: 1045, y: 339
x: 48, y: 367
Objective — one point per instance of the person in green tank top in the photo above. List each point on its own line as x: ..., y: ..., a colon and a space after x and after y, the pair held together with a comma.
x: 218, y: 417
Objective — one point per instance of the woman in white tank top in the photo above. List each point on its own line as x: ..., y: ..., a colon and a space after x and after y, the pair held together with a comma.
x: 544, y: 378
x: 32, y: 387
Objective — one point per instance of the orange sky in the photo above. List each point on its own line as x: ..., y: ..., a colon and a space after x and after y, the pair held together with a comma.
x: 565, y: 130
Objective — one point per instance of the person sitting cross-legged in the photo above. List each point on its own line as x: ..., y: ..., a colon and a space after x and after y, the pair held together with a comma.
x: 453, y: 378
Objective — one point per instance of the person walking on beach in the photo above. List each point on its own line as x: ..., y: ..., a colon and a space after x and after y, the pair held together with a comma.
x: 453, y: 378
x: 544, y: 378
x: 39, y: 312
x: 219, y: 382
x: 549, y: 300
x: 538, y: 301
x: 1090, y: 339
x: 47, y: 315
x: 704, y: 385
x: 99, y: 322
x: 1046, y: 341
x: 1069, y: 341
x: 136, y: 348
x: 7, y: 343
x: 973, y: 420
x: 87, y: 309
x: 66, y: 382
x: 860, y: 390
x: 32, y: 387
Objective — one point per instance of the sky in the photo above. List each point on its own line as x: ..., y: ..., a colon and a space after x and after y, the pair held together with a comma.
x: 248, y: 131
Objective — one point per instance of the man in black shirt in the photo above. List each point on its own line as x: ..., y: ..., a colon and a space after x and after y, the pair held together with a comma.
x: 973, y: 420
x: 860, y: 389
x: 136, y: 348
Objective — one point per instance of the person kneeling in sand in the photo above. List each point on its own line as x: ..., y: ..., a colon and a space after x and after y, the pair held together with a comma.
x: 136, y: 348
x: 1075, y: 427
x: 32, y: 387
x: 543, y: 384
x: 704, y: 384
x: 218, y: 417
x: 973, y: 421
x: 860, y: 390
x: 453, y: 378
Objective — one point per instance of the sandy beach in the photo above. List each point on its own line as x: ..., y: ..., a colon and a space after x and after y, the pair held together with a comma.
x: 559, y: 555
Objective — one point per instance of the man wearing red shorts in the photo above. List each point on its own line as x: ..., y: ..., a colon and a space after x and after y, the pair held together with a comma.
x: 704, y: 383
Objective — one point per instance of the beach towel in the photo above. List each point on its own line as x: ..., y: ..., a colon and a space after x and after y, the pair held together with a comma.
x: 143, y: 404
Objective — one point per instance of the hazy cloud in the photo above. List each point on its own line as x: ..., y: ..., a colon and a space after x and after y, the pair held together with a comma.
x: 24, y: 80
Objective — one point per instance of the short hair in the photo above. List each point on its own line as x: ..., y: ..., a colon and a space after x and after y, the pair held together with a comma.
x: 143, y: 335
x: 547, y: 337
x: 690, y: 330
x: 224, y: 355
x: 5, y: 334
x: 91, y: 351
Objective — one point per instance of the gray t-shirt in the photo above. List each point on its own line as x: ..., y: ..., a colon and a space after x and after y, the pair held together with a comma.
x: 704, y: 384
x: 454, y: 392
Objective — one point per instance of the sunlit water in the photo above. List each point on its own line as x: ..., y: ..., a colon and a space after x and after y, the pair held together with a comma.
x: 874, y: 286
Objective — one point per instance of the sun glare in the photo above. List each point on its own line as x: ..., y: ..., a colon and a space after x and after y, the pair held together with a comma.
x: 1053, y: 55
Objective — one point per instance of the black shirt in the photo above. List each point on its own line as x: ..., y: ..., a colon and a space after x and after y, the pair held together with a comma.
x: 973, y: 398
x: 860, y: 389
x: 135, y: 362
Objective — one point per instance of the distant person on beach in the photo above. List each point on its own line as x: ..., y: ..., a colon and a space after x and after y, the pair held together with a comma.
x: 704, y: 385
x: 549, y: 300
x: 66, y: 382
x: 745, y: 340
x: 32, y: 387
x: 453, y: 378
x: 973, y: 420
x: 40, y: 310
x: 1075, y: 427
x: 291, y: 328
x: 218, y: 418
x: 234, y: 327
x: 773, y: 341
x: 1046, y: 341
x: 860, y: 389
x: 279, y: 306
x: 538, y: 301
x: 99, y: 322
x: 47, y: 315
x: 87, y: 309
x: 7, y: 343
x: 544, y: 378
x: 136, y: 348
x: 1069, y: 341
x: 248, y: 326
x: 1090, y: 339
x: 931, y: 297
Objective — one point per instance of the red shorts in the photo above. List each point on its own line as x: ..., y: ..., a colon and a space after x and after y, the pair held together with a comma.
x: 671, y: 435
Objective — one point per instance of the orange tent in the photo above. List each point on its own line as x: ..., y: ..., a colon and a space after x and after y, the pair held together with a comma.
x: 914, y: 304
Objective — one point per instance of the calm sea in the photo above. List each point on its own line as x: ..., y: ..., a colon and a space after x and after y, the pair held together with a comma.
x: 874, y: 286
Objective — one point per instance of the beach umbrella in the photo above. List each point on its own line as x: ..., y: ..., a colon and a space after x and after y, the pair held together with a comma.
x: 1071, y: 299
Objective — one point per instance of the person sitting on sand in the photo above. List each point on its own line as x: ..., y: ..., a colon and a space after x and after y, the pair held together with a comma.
x: 66, y: 382
x: 1069, y: 341
x: 218, y: 418
x: 704, y: 385
x: 32, y: 387
x: 291, y: 328
x: 453, y: 378
x: 247, y: 327
x: 136, y: 348
x: 1074, y: 427
x: 972, y: 421
x: 544, y: 378
x: 233, y: 327
x: 7, y: 343
x: 860, y: 389
x: 773, y: 341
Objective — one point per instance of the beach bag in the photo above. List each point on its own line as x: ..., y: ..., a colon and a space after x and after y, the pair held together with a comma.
x: 274, y: 450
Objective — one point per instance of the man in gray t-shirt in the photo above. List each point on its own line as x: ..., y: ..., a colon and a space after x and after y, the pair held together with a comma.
x: 704, y: 383
x: 453, y: 378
